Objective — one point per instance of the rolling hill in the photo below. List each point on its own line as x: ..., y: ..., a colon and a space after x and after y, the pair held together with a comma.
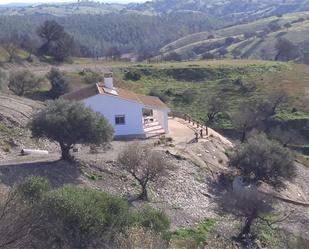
x: 229, y: 11
x: 255, y: 39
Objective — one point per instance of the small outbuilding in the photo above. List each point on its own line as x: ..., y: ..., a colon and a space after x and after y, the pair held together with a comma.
x: 131, y: 114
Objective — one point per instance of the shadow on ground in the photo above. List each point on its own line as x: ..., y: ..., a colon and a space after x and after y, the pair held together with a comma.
x: 58, y: 172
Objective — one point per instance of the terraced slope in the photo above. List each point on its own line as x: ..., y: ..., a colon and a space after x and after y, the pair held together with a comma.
x: 259, y: 45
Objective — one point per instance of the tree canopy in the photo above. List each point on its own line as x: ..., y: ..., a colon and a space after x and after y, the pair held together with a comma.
x: 145, y: 165
x: 70, y: 123
x: 22, y: 82
x: 59, y: 83
x: 263, y: 160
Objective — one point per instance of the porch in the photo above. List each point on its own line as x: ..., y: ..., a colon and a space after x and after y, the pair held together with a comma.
x: 155, y: 122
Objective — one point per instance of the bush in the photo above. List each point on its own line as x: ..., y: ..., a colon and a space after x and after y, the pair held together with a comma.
x: 74, y: 217
x: 132, y: 75
x: 90, y: 77
x: 208, y: 56
x: 33, y: 188
x: 152, y: 219
x: 22, y: 82
x: 59, y: 83
x: 86, y: 210
x: 193, y: 237
x: 173, y: 56
x: 188, y: 96
x: 156, y: 93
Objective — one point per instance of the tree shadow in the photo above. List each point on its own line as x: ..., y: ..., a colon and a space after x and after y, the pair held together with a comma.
x: 58, y: 173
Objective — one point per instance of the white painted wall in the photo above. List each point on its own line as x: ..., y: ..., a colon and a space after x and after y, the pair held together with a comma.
x: 111, y: 106
x: 162, y: 117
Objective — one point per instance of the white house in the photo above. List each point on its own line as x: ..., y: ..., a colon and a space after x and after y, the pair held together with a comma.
x: 124, y: 109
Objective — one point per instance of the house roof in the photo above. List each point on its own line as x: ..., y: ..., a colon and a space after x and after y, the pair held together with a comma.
x: 92, y: 90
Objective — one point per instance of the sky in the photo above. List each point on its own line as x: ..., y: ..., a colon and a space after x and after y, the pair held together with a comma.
x: 61, y: 1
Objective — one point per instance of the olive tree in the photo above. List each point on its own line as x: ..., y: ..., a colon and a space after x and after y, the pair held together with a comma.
x: 215, y: 104
x: 249, y: 205
x: 22, y: 82
x: 69, y: 123
x: 256, y: 113
x: 263, y: 160
x: 59, y: 83
x: 144, y: 165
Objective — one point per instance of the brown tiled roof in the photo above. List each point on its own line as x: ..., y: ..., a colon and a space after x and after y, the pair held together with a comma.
x: 151, y: 101
x: 82, y: 93
x: 89, y: 91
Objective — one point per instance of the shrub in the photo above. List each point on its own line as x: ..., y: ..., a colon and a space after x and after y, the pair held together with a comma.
x: 152, y: 219
x: 59, y: 83
x: 208, y: 56
x: 90, y: 77
x: 33, y: 188
x: 156, y: 93
x: 132, y: 75
x: 193, y: 237
x: 22, y: 82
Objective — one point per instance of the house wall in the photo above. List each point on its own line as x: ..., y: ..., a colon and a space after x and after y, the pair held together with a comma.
x: 110, y: 107
x: 162, y: 117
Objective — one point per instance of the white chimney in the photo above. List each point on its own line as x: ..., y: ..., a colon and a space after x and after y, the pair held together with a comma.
x: 108, y: 80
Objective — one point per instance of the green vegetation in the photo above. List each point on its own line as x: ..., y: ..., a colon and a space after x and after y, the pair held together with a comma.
x: 23, y: 82
x: 193, y: 237
x: 59, y: 83
x: 7, y: 134
x: 263, y: 160
x: 70, y: 216
x: 187, y: 87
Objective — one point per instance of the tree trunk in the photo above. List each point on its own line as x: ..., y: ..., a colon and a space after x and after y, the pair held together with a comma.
x: 65, y: 151
x: 144, y: 194
x: 29, y: 56
x: 247, y: 228
x: 243, y: 136
x: 211, y: 118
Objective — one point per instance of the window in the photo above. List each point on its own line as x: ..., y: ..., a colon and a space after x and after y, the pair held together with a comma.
x: 120, y: 120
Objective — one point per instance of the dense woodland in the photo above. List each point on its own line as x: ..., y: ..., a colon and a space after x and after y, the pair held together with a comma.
x: 127, y: 32
x: 139, y: 28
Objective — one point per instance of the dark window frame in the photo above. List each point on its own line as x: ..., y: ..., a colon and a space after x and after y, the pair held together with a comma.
x: 120, y: 119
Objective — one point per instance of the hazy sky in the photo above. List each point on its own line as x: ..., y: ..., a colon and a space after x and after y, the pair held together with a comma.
x: 61, y: 1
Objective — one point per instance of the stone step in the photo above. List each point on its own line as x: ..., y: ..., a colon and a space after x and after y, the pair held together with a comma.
x: 151, y: 124
x: 153, y: 128
x: 155, y: 134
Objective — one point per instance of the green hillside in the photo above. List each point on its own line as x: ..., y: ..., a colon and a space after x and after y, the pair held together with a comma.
x: 259, y: 45
x: 186, y: 87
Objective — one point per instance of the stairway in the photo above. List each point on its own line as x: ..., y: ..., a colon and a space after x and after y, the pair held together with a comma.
x: 153, y: 129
